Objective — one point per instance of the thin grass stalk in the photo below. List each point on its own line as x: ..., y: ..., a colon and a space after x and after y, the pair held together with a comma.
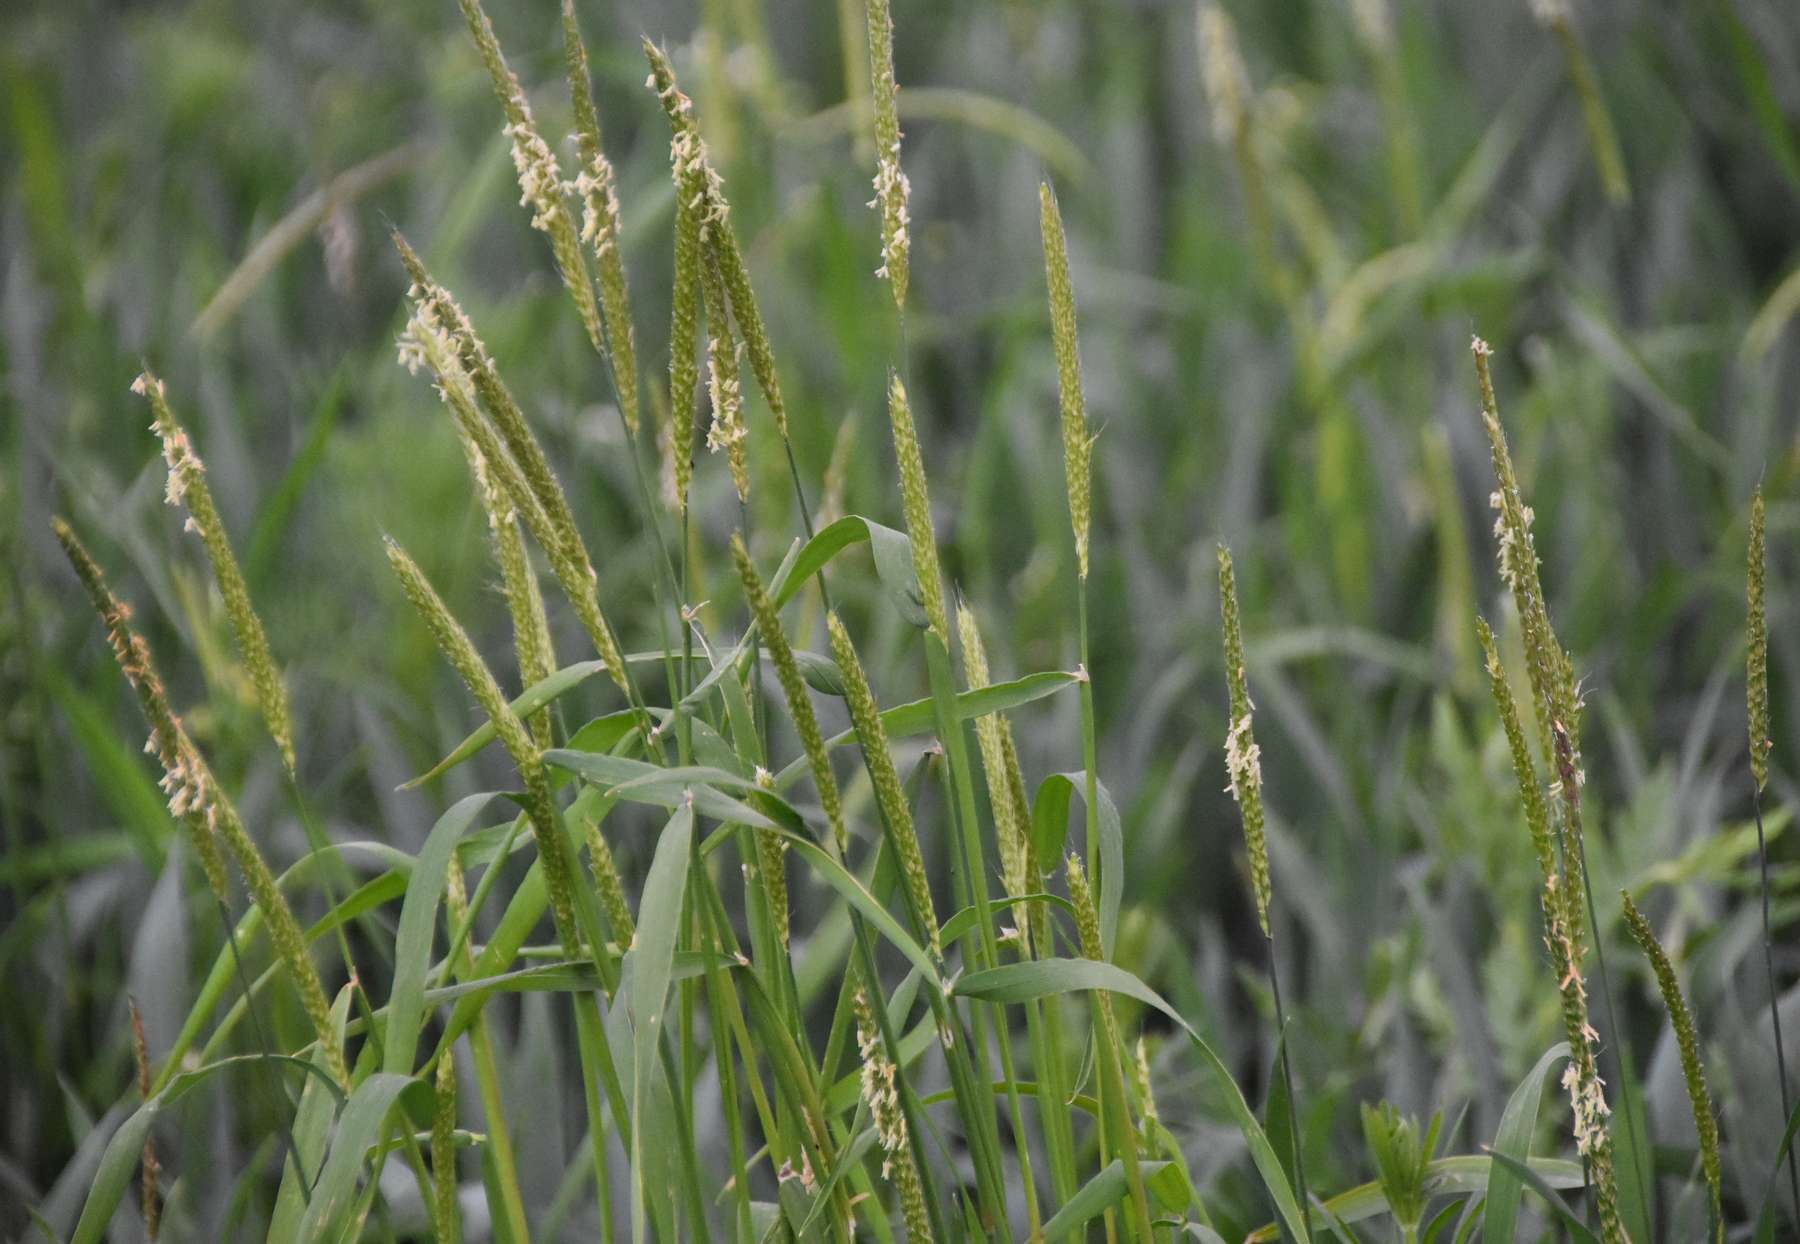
x: 1115, y: 1105
x: 1558, y: 701
x: 198, y: 802
x: 974, y: 1095
x: 149, y: 1198
x: 1761, y: 745
x: 1603, y: 136
x: 541, y: 811
x: 187, y: 487
x: 487, y: 1071
x: 1243, y: 765
x: 1687, y: 1040
x: 812, y: 740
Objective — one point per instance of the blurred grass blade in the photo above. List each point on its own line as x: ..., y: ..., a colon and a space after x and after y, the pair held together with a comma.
x: 1517, y: 1124
x: 359, y: 1126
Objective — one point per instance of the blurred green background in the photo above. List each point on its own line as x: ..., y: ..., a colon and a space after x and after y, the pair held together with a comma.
x: 208, y: 186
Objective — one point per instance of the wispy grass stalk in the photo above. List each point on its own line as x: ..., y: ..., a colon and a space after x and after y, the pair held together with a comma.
x: 188, y: 488
x: 198, y: 802
x: 1243, y: 766
x: 1557, y: 698
x: 149, y: 1196
x: 1761, y: 745
x: 1115, y: 1105
x: 1603, y: 136
x: 1687, y: 1040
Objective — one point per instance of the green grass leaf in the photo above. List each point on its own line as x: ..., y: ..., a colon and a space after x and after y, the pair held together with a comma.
x: 1513, y: 1139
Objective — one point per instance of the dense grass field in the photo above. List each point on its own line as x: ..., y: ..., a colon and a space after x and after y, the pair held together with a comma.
x: 1117, y: 691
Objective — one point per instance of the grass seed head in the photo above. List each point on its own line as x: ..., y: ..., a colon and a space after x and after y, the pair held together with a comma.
x: 1012, y: 833
x: 793, y: 688
x: 1077, y: 443
x: 896, y: 816
x: 891, y: 186
x: 1243, y: 758
x: 188, y: 487
x: 916, y: 500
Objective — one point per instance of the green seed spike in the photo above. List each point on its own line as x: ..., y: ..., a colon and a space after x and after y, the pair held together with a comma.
x: 793, y: 687
x: 610, y: 886
x: 771, y: 862
x: 445, y: 1213
x: 1009, y: 829
x: 1077, y: 444
x: 187, y: 487
x: 891, y: 187
x: 1531, y: 792
x: 540, y: 805
x: 700, y: 184
x: 684, y: 321
x: 148, y: 1195
x: 552, y: 522
x: 1758, y: 663
x: 596, y: 186
x: 541, y: 185
x: 1243, y: 758
x: 896, y: 816
x: 1706, y: 1125
x: 198, y: 802
x: 916, y: 500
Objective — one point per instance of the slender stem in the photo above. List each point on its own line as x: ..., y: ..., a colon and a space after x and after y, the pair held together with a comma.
x: 1762, y: 854
x: 1287, y: 1084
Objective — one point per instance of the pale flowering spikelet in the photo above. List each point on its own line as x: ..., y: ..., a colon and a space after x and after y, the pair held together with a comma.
x: 548, y: 513
x: 1687, y: 1041
x: 891, y: 186
x: 793, y: 687
x: 1223, y: 75
x: 1757, y: 664
x: 1077, y: 443
x: 1145, y: 1091
x: 196, y: 800
x: 542, y: 187
x: 531, y: 627
x: 727, y: 431
x: 890, y: 796
x: 188, y: 488
x: 698, y: 184
x: 916, y: 500
x: 1243, y: 758
x: 881, y: 1093
x: 596, y: 186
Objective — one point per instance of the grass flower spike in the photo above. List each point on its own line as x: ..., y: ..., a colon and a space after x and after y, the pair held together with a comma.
x: 1077, y: 443
x: 891, y: 186
x: 596, y: 185
x: 541, y: 184
x: 916, y: 500
x: 896, y: 816
x: 1687, y: 1040
x: 1243, y: 758
x: 196, y: 800
x: 187, y: 487
x: 994, y: 735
